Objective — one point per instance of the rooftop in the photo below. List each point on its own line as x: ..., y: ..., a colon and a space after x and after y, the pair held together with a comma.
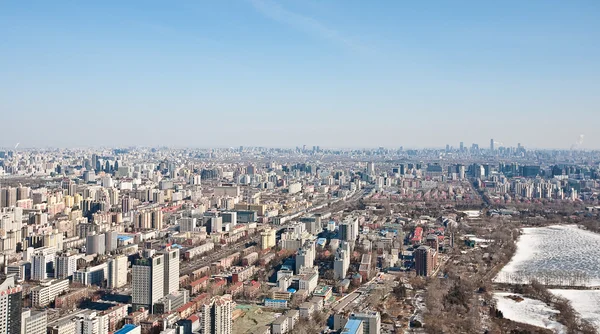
x: 126, y: 329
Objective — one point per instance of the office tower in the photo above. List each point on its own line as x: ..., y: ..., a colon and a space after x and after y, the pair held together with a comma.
x: 462, y: 146
x: 371, y: 321
x: 345, y: 231
x: 171, y: 273
x: 11, y: 306
x: 117, y: 272
x: 425, y: 260
x: 370, y: 168
x: 147, y: 282
x: 492, y: 145
x: 95, y: 244
x: 95, y: 162
x: 229, y: 218
x: 34, y: 322
x: 216, y: 316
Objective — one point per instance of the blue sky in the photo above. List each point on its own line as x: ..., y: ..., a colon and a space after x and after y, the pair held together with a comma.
x: 287, y: 73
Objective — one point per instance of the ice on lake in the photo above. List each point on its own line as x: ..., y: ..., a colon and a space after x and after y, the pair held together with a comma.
x: 528, y: 311
x: 562, y: 255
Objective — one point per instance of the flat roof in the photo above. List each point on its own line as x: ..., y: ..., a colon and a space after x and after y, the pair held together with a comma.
x: 126, y: 329
x: 352, y: 326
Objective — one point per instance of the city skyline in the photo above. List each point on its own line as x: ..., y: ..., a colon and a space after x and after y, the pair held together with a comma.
x: 577, y: 145
x: 266, y: 73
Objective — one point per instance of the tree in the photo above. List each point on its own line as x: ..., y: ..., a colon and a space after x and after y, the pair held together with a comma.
x: 400, y: 291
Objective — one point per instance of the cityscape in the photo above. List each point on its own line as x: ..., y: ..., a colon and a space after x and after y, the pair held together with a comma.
x: 268, y: 240
x: 299, y: 167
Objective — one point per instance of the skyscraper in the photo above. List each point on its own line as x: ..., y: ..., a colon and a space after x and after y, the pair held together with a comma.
x: 117, y: 272
x: 148, y: 282
x: 371, y: 168
x: 492, y: 145
x: 171, y: 273
x: 216, y: 316
x: 425, y: 260
x: 11, y: 306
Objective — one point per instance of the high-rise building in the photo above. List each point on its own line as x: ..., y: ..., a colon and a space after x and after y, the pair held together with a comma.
x: 117, y: 272
x: 148, y: 282
x: 492, y: 145
x: 425, y: 260
x: 95, y: 244
x: 34, y: 322
x: 216, y: 316
x: 11, y: 306
x: 110, y: 239
x: 66, y: 265
x: 9, y: 198
x: 371, y: 321
x: 41, y: 264
x: 306, y: 256
x: 267, y: 238
x: 126, y: 204
x: 171, y: 273
x: 348, y: 230
x: 370, y: 168
x: 341, y: 262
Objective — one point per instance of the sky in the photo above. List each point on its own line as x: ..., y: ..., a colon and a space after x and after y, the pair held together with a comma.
x: 288, y: 73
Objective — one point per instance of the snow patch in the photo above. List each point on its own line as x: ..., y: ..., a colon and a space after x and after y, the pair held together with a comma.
x: 528, y: 311
x: 584, y: 302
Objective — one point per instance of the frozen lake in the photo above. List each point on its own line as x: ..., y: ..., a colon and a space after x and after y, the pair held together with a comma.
x: 557, y: 255
x: 584, y: 302
x: 528, y: 311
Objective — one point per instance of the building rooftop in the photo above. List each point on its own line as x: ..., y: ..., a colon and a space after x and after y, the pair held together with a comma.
x: 352, y: 326
x: 126, y: 329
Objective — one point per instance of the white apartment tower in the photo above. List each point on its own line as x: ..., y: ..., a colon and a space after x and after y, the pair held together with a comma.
x: 171, y: 273
x: 117, y: 272
x: 216, y: 316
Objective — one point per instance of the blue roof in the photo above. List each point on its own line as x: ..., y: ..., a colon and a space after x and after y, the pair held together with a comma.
x: 321, y: 241
x: 126, y: 329
x: 124, y: 237
x: 352, y: 326
x: 274, y: 300
x: 292, y: 290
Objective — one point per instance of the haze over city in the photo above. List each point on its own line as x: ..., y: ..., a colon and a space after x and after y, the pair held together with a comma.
x: 288, y: 73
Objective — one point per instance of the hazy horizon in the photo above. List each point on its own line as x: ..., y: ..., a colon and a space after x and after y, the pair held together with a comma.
x: 287, y: 73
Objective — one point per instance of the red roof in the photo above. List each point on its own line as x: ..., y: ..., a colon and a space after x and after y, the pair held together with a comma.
x: 193, y: 318
x: 199, y: 281
x: 200, y: 297
x: 219, y: 283
x: 186, y: 306
x: 236, y: 285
